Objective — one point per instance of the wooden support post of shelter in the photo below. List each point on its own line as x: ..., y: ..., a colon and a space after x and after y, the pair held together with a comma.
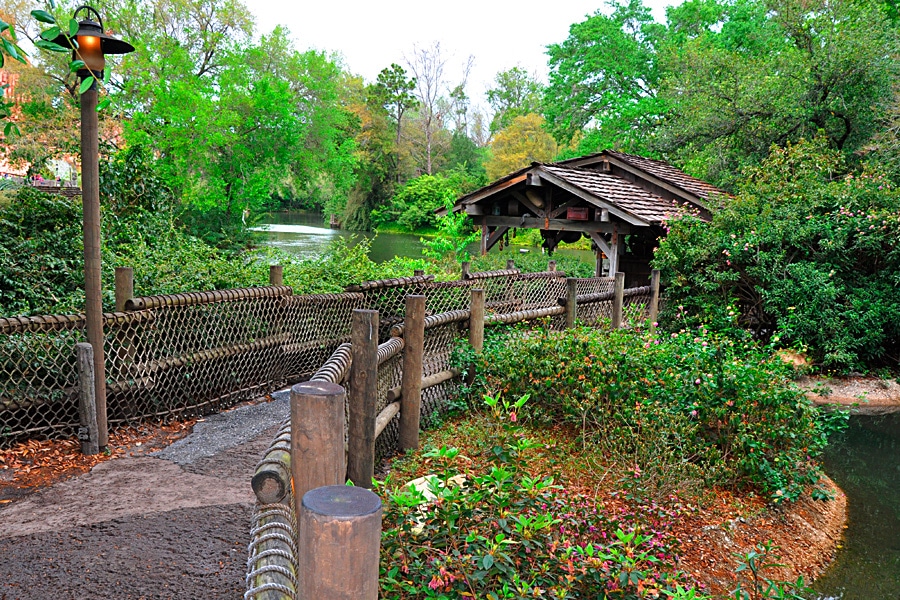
x: 87, y: 406
x: 124, y: 287
x: 411, y: 382
x: 653, y: 312
x: 317, y: 437
x: 340, y: 540
x: 363, y: 389
x: 571, y: 301
x: 618, y: 300
x: 276, y: 275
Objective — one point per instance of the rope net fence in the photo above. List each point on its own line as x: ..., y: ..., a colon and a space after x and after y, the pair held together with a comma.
x: 510, y: 297
x: 193, y: 354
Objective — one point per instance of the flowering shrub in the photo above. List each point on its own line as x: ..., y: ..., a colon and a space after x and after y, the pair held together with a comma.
x: 506, y: 534
x: 679, y: 408
x: 806, y: 252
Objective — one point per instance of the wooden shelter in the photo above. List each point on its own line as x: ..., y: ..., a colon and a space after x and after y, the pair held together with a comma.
x: 620, y: 201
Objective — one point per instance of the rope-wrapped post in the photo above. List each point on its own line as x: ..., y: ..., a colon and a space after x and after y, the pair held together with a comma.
x: 276, y: 275
x: 411, y: 382
x: 340, y: 534
x: 653, y: 312
x: 87, y: 406
x: 317, y: 436
x: 363, y: 391
x: 618, y: 300
x: 571, y: 302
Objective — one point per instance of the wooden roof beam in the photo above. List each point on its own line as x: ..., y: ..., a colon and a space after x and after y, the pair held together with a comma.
x: 596, y: 201
x: 553, y: 224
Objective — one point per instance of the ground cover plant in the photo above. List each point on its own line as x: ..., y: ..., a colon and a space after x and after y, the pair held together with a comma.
x: 684, y: 410
x: 508, y: 531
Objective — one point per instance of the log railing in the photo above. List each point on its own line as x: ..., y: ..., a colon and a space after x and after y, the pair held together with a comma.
x: 359, y: 365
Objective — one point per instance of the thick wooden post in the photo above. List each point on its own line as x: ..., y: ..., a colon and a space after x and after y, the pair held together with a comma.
x: 464, y: 270
x: 476, y: 320
x: 411, y: 382
x: 418, y: 272
x: 618, y: 300
x: 317, y: 436
x: 124, y: 287
x: 276, y: 275
x: 363, y: 389
x: 510, y: 264
x: 551, y: 265
x: 87, y: 407
x: 571, y: 302
x: 93, y: 293
x: 653, y: 312
x: 340, y: 537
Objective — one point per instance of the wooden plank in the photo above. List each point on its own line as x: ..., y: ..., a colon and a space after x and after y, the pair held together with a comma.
x: 553, y: 224
x: 363, y: 391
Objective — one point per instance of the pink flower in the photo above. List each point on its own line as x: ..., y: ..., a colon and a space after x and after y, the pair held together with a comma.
x: 512, y: 417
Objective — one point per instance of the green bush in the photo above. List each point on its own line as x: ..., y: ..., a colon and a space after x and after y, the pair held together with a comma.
x: 679, y: 408
x: 809, y: 258
x: 507, y: 534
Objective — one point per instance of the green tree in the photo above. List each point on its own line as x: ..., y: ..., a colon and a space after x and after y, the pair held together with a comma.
x: 604, y: 80
x: 520, y: 144
x: 742, y: 75
x: 515, y: 93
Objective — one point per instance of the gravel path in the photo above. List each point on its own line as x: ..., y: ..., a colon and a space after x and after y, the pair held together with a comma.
x: 173, y: 524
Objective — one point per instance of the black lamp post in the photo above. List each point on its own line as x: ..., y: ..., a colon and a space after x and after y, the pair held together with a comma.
x: 91, y: 44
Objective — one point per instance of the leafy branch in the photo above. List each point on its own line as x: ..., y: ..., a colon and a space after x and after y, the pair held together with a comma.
x: 70, y: 31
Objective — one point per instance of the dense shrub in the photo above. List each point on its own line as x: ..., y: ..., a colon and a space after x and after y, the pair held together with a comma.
x: 805, y: 253
x: 506, y: 533
x: 682, y: 407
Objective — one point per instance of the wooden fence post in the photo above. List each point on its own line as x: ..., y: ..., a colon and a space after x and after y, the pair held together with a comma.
x: 654, y: 299
x: 510, y: 264
x: 276, y: 275
x: 418, y: 272
x: 317, y: 437
x: 551, y: 265
x: 87, y: 405
x: 571, y: 301
x: 411, y: 382
x: 618, y: 300
x: 339, y: 540
x: 464, y: 270
x: 363, y: 389
x: 124, y: 287
x: 476, y: 320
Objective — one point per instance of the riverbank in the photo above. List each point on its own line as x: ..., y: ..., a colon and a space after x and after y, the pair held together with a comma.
x: 864, y: 395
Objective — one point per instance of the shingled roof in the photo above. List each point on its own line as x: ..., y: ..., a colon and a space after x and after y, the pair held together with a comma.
x: 638, y: 190
x: 619, y: 192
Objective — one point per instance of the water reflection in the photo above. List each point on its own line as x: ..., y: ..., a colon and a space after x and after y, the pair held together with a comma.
x: 865, y: 462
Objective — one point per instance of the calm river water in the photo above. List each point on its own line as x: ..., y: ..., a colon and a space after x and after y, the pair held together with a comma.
x: 865, y: 462
x: 306, y: 235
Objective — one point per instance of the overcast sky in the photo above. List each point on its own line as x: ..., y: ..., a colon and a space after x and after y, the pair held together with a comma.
x: 372, y: 34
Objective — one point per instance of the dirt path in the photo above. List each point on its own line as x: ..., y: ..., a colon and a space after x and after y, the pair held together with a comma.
x: 173, y: 524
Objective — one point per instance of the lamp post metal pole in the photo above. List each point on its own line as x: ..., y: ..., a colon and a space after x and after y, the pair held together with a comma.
x: 90, y: 198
